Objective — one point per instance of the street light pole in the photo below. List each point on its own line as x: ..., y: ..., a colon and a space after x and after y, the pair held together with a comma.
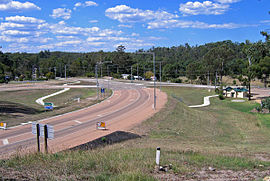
x: 96, y: 71
x: 154, y: 64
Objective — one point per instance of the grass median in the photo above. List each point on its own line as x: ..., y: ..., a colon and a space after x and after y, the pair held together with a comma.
x: 224, y: 135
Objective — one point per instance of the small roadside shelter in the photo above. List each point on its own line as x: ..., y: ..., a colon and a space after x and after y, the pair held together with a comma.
x: 235, y: 92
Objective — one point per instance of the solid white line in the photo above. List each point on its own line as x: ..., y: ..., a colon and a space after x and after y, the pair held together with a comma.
x: 79, y: 122
x: 5, y: 141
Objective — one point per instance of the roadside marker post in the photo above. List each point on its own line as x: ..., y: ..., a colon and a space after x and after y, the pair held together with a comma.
x: 45, y: 138
x: 101, y: 125
x: 38, y: 143
x: 3, y: 126
x: 157, y: 156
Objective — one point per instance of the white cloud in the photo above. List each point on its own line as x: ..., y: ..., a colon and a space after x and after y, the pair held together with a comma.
x: 61, y: 29
x: 191, y: 24
x: 78, y: 4
x: 228, y: 1
x: 93, y: 21
x: 23, y: 19
x: 85, y: 4
x: 61, y: 13
x: 9, y: 5
x: 206, y: 7
x: 67, y: 43
x: 126, y: 14
x: 90, y: 3
x: 91, y: 39
x: 135, y: 34
x: 124, y: 26
x: 15, y: 32
x: 23, y: 29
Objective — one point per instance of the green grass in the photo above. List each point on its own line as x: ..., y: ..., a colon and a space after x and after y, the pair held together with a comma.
x: 20, y: 106
x: 70, y: 96
x: 224, y: 135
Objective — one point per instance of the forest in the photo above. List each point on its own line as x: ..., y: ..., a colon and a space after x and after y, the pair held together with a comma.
x: 201, y: 64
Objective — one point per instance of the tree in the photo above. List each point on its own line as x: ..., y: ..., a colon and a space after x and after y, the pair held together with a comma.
x: 121, y: 48
x: 148, y: 74
x: 264, y: 69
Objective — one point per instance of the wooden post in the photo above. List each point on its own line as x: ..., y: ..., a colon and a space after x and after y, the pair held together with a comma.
x: 45, y: 138
x: 38, y: 143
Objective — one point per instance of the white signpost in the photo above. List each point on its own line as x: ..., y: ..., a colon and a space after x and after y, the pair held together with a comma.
x: 45, y: 131
x: 41, y: 130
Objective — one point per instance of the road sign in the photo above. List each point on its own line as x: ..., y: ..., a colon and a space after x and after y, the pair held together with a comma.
x: 101, y: 125
x: 41, y: 130
x: 48, y: 104
x: 48, y: 107
x: 3, y: 125
x: 102, y: 90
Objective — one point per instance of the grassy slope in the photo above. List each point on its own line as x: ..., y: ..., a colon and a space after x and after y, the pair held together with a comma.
x: 224, y: 135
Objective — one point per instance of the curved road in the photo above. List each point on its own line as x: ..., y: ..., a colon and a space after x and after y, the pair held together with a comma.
x: 129, y: 105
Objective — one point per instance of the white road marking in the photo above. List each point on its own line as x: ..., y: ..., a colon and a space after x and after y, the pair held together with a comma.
x: 79, y: 122
x: 5, y: 141
x: 100, y: 115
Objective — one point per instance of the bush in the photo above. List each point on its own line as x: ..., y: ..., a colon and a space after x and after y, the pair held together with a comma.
x: 21, y: 78
x: 116, y: 76
x: 176, y: 80
x: 90, y: 74
x: 42, y: 79
x: 221, y: 97
x: 266, y: 104
x: 50, y: 75
x: 258, y: 108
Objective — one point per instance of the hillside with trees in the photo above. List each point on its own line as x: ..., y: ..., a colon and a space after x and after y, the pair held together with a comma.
x: 203, y: 64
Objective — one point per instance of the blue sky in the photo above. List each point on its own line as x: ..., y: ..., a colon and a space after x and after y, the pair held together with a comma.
x: 84, y: 26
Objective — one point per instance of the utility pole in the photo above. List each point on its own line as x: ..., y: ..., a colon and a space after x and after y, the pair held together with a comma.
x: 160, y: 75
x: 54, y: 72
x: 131, y: 73
x: 96, y: 71
x: 216, y: 81
x: 65, y: 71
x: 154, y: 67
x: 155, y: 97
x: 138, y: 70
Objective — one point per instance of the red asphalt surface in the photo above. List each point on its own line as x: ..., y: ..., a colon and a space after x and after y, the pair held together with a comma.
x: 121, y: 112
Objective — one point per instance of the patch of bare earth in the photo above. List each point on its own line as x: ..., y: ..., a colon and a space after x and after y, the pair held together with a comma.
x: 218, y: 175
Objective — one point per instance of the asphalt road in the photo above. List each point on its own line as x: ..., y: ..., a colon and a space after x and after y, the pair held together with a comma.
x: 129, y: 105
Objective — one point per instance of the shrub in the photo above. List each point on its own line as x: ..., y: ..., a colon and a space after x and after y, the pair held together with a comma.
x: 90, y: 74
x: 50, y: 75
x: 221, y: 97
x: 258, y: 108
x: 176, y: 80
x: 266, y: 103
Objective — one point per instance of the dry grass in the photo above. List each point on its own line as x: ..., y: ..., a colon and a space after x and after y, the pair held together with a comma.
x: 224, y: 135
x: 19, y: 106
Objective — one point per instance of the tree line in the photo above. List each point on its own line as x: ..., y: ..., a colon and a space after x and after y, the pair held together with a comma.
x: 203, y: 64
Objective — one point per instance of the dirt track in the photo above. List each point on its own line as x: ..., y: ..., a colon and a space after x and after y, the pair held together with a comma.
x: 125, y: 109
